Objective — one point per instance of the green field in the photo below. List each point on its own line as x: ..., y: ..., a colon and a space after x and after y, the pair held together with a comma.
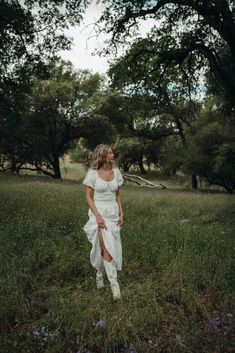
x: 177, y: 279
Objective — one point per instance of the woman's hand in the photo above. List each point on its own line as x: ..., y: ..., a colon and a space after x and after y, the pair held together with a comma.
x: 100, y: 221
x: 120, y: 221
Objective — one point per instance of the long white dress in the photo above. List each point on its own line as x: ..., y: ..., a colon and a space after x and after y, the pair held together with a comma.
x: 105, y: 201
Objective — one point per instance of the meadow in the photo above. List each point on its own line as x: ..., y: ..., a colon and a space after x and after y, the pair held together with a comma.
x: 177, y: 280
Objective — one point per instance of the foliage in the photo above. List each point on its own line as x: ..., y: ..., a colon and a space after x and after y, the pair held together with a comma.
x: 117, y: 107
x: 32, y: 31
x: 80, y: 154
x: 134, y: 151
x: 31, y: 34
x: 188, y: 36
x: 112, y: 118
x: 161, y: 104
x: 208, y: 153
x: 211, y: 151
x: 190, y: 41
x: 129, y: 152
x: 97, y: 129
x: 171, y: 156
x: 59, y: 110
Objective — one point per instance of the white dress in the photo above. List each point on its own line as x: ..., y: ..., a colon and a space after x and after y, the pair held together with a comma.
x: 105, y: 201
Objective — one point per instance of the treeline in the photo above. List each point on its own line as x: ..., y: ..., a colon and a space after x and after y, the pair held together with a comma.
x: 152, y: 109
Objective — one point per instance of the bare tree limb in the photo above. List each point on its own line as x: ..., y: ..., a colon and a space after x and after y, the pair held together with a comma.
x: 147, y: 182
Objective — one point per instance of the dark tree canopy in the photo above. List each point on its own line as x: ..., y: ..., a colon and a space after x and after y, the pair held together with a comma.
x: 31, y: 32
x: 57, y: 112
x: 198, y: 34
x: 30, y: 28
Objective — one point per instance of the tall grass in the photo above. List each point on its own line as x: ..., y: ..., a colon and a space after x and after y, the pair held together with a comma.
x: 177, y: 279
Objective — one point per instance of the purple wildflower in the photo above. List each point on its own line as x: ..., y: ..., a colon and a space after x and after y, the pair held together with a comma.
x: 214, y: 325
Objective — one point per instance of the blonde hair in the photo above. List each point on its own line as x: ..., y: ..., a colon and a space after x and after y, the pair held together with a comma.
x: 99, y: 156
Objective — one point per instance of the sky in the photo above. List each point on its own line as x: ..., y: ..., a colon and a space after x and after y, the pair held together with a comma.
x: 85, y: 41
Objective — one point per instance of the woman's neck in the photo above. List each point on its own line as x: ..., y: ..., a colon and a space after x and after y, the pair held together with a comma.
x: 107, y: 167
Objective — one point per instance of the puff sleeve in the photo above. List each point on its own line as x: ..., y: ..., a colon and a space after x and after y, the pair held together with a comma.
x: 89, y: 179
x: 119, y: 178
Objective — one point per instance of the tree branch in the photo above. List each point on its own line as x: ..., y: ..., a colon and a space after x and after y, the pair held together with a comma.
x: 147, y: 182
x: 217, y: 68
x: 219, y: 16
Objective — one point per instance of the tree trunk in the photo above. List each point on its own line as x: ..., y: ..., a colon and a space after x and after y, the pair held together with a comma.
x: 141, y: 166
x: 14, y: 167
x: 56, y: 167
x: 194, y: 181
x: 126, y: 167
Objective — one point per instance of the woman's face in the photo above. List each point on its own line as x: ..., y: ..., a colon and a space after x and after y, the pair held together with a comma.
x: 110, y: 156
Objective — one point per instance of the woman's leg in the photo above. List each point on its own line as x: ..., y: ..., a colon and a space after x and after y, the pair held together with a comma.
x: 110, y: 269
x: 104, y: 252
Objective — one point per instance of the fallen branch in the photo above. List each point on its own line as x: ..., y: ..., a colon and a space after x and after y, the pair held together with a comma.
x: 147, y: 182
x: 130, y: 179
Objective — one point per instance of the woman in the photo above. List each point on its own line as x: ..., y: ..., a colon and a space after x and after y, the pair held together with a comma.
x: 102, y: 184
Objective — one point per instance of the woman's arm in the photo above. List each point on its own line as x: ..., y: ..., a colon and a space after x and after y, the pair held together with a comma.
x: 118, y: 199
x: 89, y: 198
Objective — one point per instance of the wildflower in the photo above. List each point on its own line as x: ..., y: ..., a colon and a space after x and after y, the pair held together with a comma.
x: 44, y: 335
x: 132, y: 349
x: 214, y: 325
x: 228, y: 328
x: 98, y: 323
x: 151, y: 344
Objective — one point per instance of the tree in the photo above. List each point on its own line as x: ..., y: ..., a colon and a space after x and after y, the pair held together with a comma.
x: 129, y: 151
x: 162, y: 104
x: 134, y: 151
x: 189, y: 35
x: 31, y: 33
x: 211, y: 149
x: 112, y: 119
x: 58, y: 113
x: 171, y: 156
x: 32, y: 30
x: 80, y: 154
x: 117, y: 107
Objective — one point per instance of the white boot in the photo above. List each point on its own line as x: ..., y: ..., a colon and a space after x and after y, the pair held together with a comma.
x: 111, y: 272
x: 99, y: 276
x: 99, y: 279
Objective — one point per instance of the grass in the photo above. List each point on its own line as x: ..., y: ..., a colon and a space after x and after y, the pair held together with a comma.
x: 177, y: 277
